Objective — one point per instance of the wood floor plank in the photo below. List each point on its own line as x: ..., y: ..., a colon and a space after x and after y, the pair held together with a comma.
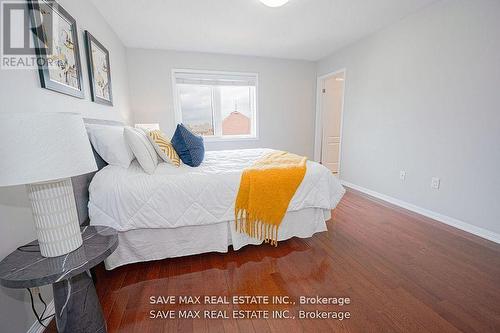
x: 403, y: 272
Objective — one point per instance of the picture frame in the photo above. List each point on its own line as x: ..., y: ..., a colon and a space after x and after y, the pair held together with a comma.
x: 99, y: 70
x: 56, y: 47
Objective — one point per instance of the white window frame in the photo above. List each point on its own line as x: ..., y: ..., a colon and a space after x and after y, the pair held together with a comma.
x: 217, y: 118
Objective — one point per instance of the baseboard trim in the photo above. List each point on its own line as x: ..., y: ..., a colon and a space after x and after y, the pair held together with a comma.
x: 480, y: 232
x: 37, y: 327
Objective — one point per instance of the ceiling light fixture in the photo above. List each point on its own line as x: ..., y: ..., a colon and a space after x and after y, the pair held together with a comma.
x: 274, y: 3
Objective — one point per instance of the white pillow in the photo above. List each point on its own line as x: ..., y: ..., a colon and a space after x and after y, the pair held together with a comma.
x: 109, y: 143
x: 142, y: 148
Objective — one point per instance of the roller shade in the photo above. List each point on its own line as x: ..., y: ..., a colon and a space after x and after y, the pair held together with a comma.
x: 214, y: 79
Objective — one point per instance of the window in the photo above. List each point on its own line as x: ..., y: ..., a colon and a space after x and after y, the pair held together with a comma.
x: 217, y: 105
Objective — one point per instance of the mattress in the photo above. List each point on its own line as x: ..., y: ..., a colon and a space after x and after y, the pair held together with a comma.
x: 130, y: 199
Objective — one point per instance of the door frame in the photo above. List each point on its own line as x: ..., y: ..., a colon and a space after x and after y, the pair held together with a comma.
x: 318, y: 132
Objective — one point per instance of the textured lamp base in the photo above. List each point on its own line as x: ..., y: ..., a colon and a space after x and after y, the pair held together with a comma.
x: 56, y: 218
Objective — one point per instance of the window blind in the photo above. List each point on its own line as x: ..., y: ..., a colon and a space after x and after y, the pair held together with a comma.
x: 214, y: 79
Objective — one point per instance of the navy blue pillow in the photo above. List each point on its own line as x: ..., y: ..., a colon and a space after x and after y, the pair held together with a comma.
x: 189, y: 146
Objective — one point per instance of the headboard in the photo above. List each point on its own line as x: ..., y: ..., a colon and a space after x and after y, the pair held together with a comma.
x: 81, y: 183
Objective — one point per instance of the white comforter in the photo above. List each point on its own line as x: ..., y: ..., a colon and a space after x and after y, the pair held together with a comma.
x: 127, y: 199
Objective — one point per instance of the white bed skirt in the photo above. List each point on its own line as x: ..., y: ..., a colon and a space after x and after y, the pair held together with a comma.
x: 155, y: 244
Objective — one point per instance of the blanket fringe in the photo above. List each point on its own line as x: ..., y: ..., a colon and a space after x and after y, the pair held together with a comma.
x: 254, y: 226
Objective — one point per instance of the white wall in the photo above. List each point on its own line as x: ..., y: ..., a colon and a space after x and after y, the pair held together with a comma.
x: 423, y: 96
x: 286, y: 94
x: 20, y: 90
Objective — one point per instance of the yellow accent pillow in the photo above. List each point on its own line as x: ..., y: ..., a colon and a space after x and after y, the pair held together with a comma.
x: 164, y: 148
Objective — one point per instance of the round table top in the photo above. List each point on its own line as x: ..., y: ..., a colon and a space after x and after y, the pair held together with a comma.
x: 27, y: 268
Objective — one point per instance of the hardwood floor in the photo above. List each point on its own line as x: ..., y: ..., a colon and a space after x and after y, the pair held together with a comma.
x: 402, y: 271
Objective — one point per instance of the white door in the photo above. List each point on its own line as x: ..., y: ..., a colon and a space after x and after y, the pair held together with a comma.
x: 331, y: 112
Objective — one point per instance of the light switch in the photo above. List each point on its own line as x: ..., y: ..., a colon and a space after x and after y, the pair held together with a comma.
x: 435, y: 183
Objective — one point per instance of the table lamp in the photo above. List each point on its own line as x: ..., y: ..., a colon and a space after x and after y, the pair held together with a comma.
x: 42, y: 150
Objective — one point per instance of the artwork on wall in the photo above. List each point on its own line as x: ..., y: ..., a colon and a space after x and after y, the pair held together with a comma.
x: 99, y: 71
x: 56, y: 42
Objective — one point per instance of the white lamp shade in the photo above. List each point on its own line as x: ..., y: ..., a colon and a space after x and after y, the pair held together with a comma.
x: 43, y: 146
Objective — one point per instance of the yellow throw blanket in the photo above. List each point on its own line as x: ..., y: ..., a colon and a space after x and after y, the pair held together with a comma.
x: 266, y: 189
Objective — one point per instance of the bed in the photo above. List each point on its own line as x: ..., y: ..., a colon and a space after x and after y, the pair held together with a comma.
x: 185, y: 211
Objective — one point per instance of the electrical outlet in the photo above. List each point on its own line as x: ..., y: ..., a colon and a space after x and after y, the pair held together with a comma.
x: 435, y: 183
x: 35, y: 290
x: 402, y: 175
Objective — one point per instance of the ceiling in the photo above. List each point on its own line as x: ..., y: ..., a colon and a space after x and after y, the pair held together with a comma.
x: 302, y: 29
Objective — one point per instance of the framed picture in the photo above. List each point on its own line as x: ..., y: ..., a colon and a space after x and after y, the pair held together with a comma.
x: 99, y: 71
x: 56, y: 43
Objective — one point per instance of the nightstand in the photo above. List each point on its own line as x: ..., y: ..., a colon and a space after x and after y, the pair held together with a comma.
x: 77, y: 308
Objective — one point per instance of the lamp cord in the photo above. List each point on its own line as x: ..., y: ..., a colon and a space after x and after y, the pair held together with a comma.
x: 24, y: 247
x: 39, y: 318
